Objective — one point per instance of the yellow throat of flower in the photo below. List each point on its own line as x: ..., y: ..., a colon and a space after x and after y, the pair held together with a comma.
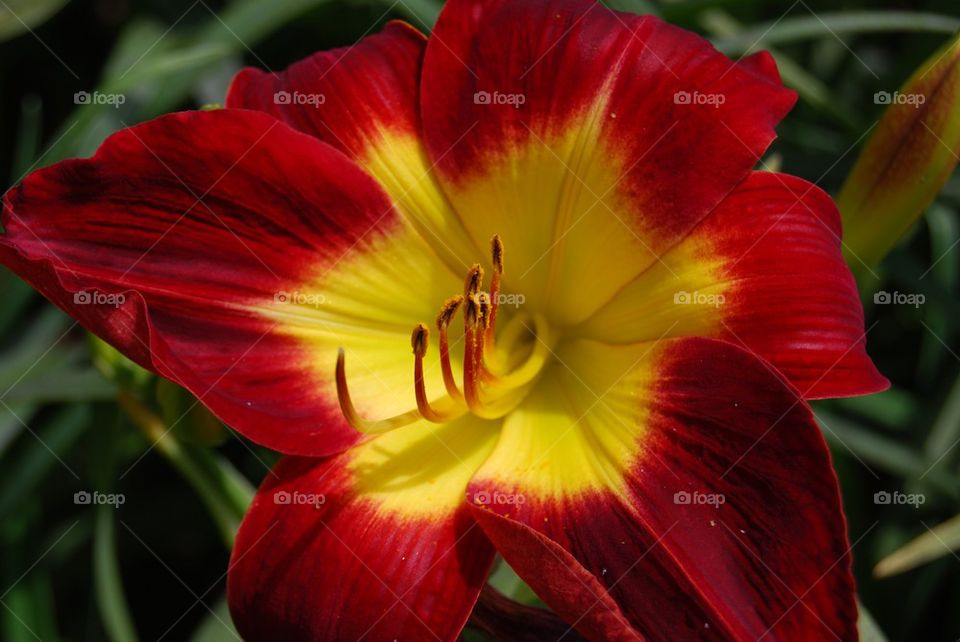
x: 498, y: 371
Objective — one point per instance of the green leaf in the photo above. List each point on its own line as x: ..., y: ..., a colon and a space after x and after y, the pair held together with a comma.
x: 721, y: 24
x: 422, y: 12
x: 217, y: 626
x: 893, y: 408
x: 28, y: 599
x: 945, y: 433
x: 880, y: 451
x: 941, y: 540
x: 834, y: 26
x: 42, y: 453
x: 63, y: 386
x: 869, y: 630
x: 506, y: 580
x: 20, y: 16
x: 633, y: 6
x: 224, y: 491
x: 108, y: 584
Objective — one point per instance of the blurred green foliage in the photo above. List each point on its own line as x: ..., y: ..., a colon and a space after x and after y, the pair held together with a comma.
x: 74, y: 417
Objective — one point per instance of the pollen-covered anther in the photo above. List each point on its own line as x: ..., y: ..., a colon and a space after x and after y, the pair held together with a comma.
x: 419, y: 340
x: 474, y: 280
x: 476, y: 316
x: 496, y: 258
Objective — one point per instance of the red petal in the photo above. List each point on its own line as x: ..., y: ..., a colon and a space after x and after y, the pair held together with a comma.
x: 388, y: 551
x: 627, y: 166
x: 364, y: 100
x: 769, y: 560
x: 771, y: 249
x: 761, y: 64
x: 345, y: 97
x: 195, y: 219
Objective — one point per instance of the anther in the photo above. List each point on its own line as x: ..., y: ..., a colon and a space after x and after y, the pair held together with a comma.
x: 418, y: 339
x: 450, y: 307
x: 474, y: 280
x: 496, y: 250
x: 496, y: 255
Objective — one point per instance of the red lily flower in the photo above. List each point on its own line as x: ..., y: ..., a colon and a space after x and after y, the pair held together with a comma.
x: 630, y: 431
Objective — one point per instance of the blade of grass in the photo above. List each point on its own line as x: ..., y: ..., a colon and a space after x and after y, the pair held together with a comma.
x: 21, y: 475
x: 225, y: 492
x: 945, y: 431
x: 868, y: 627
x: 217, y: 626
x: 108, y: 583
x: 835, y: 25
x: 20, y: 16
x: 882, y: 452
x: 943, y: 539
x: 893, y: 408
x: 722, y: 25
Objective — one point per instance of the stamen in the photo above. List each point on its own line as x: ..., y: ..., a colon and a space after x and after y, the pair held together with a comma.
x: 471, y: 369
x: 350, y: 412
x: 447, y: 312
x: 483, y: 324
x: 418, y: 340
x: 496, y: 251
x: 491, y: 386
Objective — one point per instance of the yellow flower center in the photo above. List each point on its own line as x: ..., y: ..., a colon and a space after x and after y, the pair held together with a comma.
x: 497, y: 371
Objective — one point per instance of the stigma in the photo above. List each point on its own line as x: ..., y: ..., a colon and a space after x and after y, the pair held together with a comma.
x: 492, y: 379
